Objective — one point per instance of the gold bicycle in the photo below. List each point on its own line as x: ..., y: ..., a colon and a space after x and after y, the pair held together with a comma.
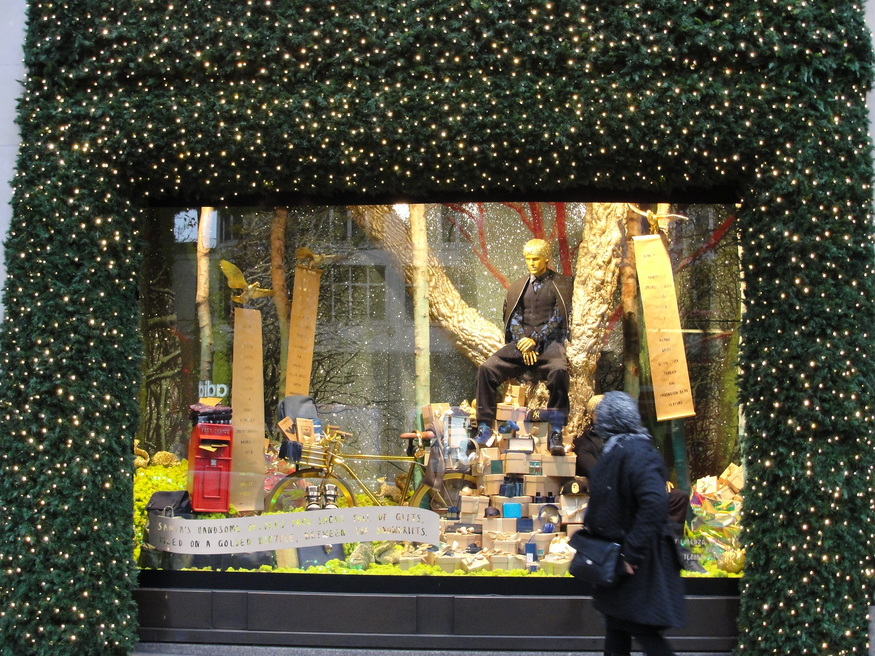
x: 325, y: 463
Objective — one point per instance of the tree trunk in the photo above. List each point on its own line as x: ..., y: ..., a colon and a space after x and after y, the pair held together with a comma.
x: 598, y: 265
x: 629, y: 301
x: 421, y: 336
x: 202, y: 296
x: 278, y: 283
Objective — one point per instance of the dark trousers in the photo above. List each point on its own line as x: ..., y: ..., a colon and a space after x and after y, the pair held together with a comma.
x: 507, y: 362
x: 619, y: 634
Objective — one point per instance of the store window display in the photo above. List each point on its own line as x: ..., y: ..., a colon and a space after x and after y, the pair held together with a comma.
x: 501, y: 506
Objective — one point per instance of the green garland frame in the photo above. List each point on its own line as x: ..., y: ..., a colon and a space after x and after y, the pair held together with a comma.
x: 129, y: 104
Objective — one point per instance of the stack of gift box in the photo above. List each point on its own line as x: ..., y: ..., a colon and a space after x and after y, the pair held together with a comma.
x: 523, y: 511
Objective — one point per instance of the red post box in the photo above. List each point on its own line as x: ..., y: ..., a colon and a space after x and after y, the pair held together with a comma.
x: 209, y: 467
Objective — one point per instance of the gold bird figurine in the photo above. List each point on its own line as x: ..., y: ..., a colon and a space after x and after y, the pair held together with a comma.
x: 236, y: 280
x: 310, y: 260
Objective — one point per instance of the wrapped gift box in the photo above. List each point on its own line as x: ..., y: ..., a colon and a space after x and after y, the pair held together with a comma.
x: 534, y: 485
x: 473, y: 505
x: 561, y: 466
x: 491, y: 459
x: 492, y: 482
x: 406, y: 562
x: 461, y: 541
x: 516, y: 462
x: 733, y: 477
x: 499, y: 525
x: 540, y: 429
x: 475, y: 563
x: 510, y: 412
x: 523, y: 444
x: 432, y: 415
x: 498, y: 501
x: 542, y: 543
x: 515, y: 395
x: 506, y: 546
x: 507, y: 561
x: 571, y: 529
x: 449, y: 563
x: 555, y: 565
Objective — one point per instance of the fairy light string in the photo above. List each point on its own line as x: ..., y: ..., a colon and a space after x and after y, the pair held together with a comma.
x: 128, y: 104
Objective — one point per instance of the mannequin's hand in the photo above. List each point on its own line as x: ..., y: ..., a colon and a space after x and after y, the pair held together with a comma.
x: 629, y: 568
x: 527, y: 347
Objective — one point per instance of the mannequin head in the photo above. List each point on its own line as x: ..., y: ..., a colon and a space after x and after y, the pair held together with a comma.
x: 537, y: 253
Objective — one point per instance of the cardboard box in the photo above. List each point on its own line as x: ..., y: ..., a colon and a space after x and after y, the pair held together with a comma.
x: 532, y: 485
x: 515, y: 395
x: 524, y: 501
x: 432, y: 415
x: 461, y: 541
x: 449, y: 563
x: 492, y: 482
x: 561, y: 466
x: 555, y: 565
x: 491, y: 452
x: 471, y: 518
x: 406, y: 562
x: 507, y: 546
x: 505, y: 412
x: 733, y: 476
x: 571, y: 529
x: 474, y: 505
x: 536, y: 429
x: 516, y: 462
x: 499, y: 525
x: 542, y: 543
x: 475, y: 563
x: 522, y: 443
x: 507, y: 561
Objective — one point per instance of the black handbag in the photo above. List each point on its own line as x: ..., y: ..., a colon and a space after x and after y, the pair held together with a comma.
x: 596, y: 560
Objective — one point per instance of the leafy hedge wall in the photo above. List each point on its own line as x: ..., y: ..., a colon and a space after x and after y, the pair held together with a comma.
x: 130, y: 103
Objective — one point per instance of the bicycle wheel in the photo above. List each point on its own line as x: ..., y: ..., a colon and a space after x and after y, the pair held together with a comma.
x: 290, y: 494
x: 443, y: 495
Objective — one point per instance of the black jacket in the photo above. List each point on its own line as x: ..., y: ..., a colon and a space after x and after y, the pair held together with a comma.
x: 563, y: 286
x: 629, y: 503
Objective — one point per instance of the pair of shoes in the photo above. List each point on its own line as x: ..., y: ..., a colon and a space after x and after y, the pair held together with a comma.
x: 327, y: 499
x: 555, y: 444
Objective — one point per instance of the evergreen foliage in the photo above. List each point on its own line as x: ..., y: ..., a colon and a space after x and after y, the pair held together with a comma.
x: 130, y: 103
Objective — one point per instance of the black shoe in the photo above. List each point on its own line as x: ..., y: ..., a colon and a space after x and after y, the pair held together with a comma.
x: 555, y: 444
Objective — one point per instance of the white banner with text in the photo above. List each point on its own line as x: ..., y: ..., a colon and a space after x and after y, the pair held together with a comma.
x: 292, y: 530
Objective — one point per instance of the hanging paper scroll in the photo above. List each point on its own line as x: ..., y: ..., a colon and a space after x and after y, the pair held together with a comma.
x: 247, y: 464
x: 665, y: 343
x: 302, y: 330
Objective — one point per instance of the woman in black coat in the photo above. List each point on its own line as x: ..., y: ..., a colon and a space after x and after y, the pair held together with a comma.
x: 629, y: 504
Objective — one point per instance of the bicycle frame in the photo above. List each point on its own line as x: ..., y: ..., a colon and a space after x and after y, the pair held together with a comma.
x: 333, y: 459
